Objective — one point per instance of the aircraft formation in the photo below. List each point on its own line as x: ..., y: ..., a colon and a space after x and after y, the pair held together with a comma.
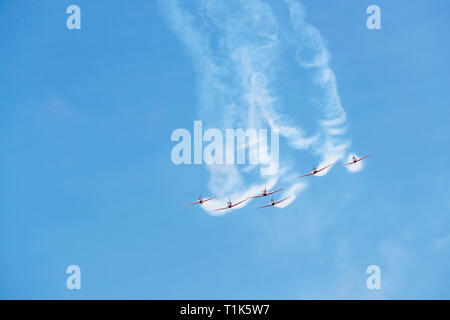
x: 264, y: 193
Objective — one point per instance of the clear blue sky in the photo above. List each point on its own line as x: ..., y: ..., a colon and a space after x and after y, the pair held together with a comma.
x: 86, y: 177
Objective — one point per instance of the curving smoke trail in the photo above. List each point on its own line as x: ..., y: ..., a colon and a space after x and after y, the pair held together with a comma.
x: 237, y: 48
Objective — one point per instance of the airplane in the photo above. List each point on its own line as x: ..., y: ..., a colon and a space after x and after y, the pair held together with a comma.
x: 273, y: 203
x: 200, y: 200
x: 265, y: 193
x: 314, y: 171
x: 355, y: 160
x: 231, y: 205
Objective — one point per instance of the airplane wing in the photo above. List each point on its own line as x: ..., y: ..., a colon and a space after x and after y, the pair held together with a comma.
x: 364, y: 157
x: 239, y: 202
x: 281, y: 200
x: 191, y: 203
x: 306, y: 175
x: 256, y: 197
x: 209, y: 199
x: 274, y: 191
x: 324, y: 167
x: 222, y: 209
x: 269, y: 205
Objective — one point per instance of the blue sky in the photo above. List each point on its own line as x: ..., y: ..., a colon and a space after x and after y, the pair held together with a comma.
x: 86, y: 176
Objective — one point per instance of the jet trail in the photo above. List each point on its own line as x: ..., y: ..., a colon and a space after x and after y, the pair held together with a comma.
x: 237, y: 48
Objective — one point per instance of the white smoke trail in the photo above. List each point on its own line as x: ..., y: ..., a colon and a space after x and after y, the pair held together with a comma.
x: 312, y: 54
x: 236, y: 48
